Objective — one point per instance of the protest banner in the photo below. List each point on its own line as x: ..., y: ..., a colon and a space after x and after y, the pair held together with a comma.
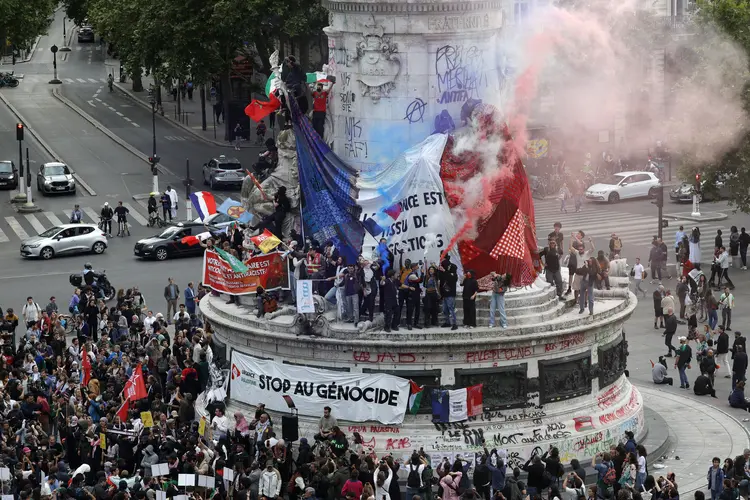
x: 269, y: 271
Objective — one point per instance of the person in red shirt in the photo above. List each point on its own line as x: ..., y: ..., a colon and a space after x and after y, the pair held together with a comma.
x: 320, y: 103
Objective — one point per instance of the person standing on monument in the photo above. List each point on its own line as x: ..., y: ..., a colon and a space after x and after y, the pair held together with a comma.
x: 414, y: 292
x: 320, y: 104
x: 448, y: 275
x: 500, y: 283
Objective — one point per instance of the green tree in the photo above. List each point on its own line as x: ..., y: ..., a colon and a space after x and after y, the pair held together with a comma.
x: 698, y: 66
x: 76, y: 10
x: 21, y: 21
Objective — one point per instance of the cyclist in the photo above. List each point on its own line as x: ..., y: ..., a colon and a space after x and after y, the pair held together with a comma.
x: 106, y: 214
x: 110, y: 81
x: 76, y: 215
x: 122, y: 219
x: 153, y: 211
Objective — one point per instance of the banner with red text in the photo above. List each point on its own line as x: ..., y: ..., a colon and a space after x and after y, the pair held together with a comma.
x: 268, y: 271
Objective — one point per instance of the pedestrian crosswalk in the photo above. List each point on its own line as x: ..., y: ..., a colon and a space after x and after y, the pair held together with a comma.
x: 21, y: 226
x: 77, y: 81
x: 635, y: 230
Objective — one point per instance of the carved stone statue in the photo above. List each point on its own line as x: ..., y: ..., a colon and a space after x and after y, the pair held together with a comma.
x: 259, y: 202
x: 378, y: 63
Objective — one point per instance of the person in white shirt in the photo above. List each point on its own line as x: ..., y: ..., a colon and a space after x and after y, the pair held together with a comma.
x: 220, y: 424
x: 726, y: 303
x: 383, y: 476
x: 270, y: 482
x: 724, y: 262
x: 173, y: 200
x: 31, y: 312
x: 638, y: 274
x: 572, y: 487
x: 148, y: 322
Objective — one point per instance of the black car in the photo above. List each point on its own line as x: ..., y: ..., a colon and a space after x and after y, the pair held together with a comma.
x: 8, y: 175
x: 85, y: 35
x: 168, y: 243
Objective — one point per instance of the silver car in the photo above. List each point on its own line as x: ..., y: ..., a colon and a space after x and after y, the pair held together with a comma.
x: 223, y: 171
x: 64, y: 240
x: 55, y: 177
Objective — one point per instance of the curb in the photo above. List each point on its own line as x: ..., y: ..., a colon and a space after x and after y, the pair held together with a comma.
x: 31, y: 52
x: 56, y: 94
x: 709, y: 218
x: 131, y: 95
x: 43, y: 143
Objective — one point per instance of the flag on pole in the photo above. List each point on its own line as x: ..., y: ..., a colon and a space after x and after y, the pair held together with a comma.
x: 273, y: 83
x: 135, y: 388
x: 415, y: 396
x: 86, y: 367
x: 235, y: 263
x: 194, y: 240
x: 257, y: 184
x: 266, y: 241
x: 317, y: 76
x: 258, y: 110
x: 456, y: 405
x: 235, y: 210
x: 123, y: 411
x: 204, y: 203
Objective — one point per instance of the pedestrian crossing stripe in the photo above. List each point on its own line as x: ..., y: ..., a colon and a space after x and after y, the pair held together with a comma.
x: 135, y: 215
x: 38, y: 227
x: 43, y: 79
x: 91, y: 213
x: 53, y: 218
x: 16, y: 227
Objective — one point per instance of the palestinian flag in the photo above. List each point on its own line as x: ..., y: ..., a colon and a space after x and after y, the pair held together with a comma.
x: 236, y: 264
x: 318, y: 76
x: 415, y: 397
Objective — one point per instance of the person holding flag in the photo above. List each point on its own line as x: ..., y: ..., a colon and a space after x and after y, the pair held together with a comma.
x: 275, y: 220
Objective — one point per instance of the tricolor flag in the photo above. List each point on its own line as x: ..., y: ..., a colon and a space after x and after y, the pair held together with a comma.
x: 204, y: 203
x: 194, y: 240
x: 415, y: 397
x: 318, y: 76
x: 266, y: 241
x: 456, y: 405
x: 273, y: 83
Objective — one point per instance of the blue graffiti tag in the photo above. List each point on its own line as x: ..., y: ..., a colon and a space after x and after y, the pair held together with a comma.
x: 415, y: 111
x: 460, y: 73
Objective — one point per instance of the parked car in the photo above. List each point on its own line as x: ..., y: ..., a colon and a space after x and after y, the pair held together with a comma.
x: 624, y: 185
x: 65, y: 239
x: 223, y: 171
x: 85, y: 34
x: 684, y: 192
x: 168, y: 243
x: 55, y: 177
x: 8, y: 175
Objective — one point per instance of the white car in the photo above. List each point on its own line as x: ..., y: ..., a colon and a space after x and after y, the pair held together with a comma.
x: 64, y: 240
x: 624, y: 185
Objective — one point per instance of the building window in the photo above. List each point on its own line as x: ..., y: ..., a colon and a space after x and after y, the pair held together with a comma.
x: 520, y: 11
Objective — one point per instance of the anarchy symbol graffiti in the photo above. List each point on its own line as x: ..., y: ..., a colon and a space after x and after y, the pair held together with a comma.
x: 415, y: 111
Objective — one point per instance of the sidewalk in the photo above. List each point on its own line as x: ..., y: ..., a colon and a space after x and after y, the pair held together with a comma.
x: 698, y: 432
x: 189, y: 118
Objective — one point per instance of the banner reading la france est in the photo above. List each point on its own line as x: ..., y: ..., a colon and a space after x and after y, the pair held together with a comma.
x: 269, y: 271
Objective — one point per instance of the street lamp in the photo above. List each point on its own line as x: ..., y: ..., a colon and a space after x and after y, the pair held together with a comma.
x: 153, y: 159
x: 53, y: 49
x: 65, y: 47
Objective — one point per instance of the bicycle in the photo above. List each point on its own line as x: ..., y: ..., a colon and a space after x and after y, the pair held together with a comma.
x: 103, y: 226
x: 154, y: 219
x: 123, y: 228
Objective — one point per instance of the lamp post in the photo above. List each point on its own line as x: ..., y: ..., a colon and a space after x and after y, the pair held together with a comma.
x: 65, y: 47
x: 153, y: 160
x: 188, y: 182
x: 53, y: 49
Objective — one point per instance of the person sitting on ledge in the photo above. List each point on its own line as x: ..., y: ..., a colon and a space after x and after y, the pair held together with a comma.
x: 659, y: 372
x: 737, y: 397
x: 703, y: 386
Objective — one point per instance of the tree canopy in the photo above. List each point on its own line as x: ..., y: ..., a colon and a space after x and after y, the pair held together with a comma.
x: 730, y: 18
x: 21, y: 21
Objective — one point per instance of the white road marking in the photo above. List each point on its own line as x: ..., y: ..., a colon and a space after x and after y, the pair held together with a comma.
x: 38, y: 227
x: 69, y: 80
x: 126, y: 119
x: 134, y: 214
x: 16, y: 227
x: 93, y: 81
x: 103, y: 80
x: 97, y: 99
x: 91, y: 103
x: 81, y: 80
x: 92, y: 214
x: 53, y: 218
x: 3, y: 237
x: 118, y: 113
x: 134, y: 124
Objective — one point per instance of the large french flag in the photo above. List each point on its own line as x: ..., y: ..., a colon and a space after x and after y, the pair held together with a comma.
x: 204, y: 203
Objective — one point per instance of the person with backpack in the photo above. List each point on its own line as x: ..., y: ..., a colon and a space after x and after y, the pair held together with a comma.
x: 482, y: 477
x: 414, y: 484
x: 572, y: 487
x: 606, y: 475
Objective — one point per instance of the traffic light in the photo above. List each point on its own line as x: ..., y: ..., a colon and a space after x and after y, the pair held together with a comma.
x: 154, y: 160
x: 698, y: 183
x: 19, y: 131
x: 659, y: 198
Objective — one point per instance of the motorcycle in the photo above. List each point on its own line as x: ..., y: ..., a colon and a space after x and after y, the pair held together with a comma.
x: 656, y: 168
x: 8, y: 80
x: 102, y: 287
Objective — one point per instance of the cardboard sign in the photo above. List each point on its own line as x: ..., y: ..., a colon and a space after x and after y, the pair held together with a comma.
x: 147, y: 419
x: 102, y: 441
x: 202, y: 427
